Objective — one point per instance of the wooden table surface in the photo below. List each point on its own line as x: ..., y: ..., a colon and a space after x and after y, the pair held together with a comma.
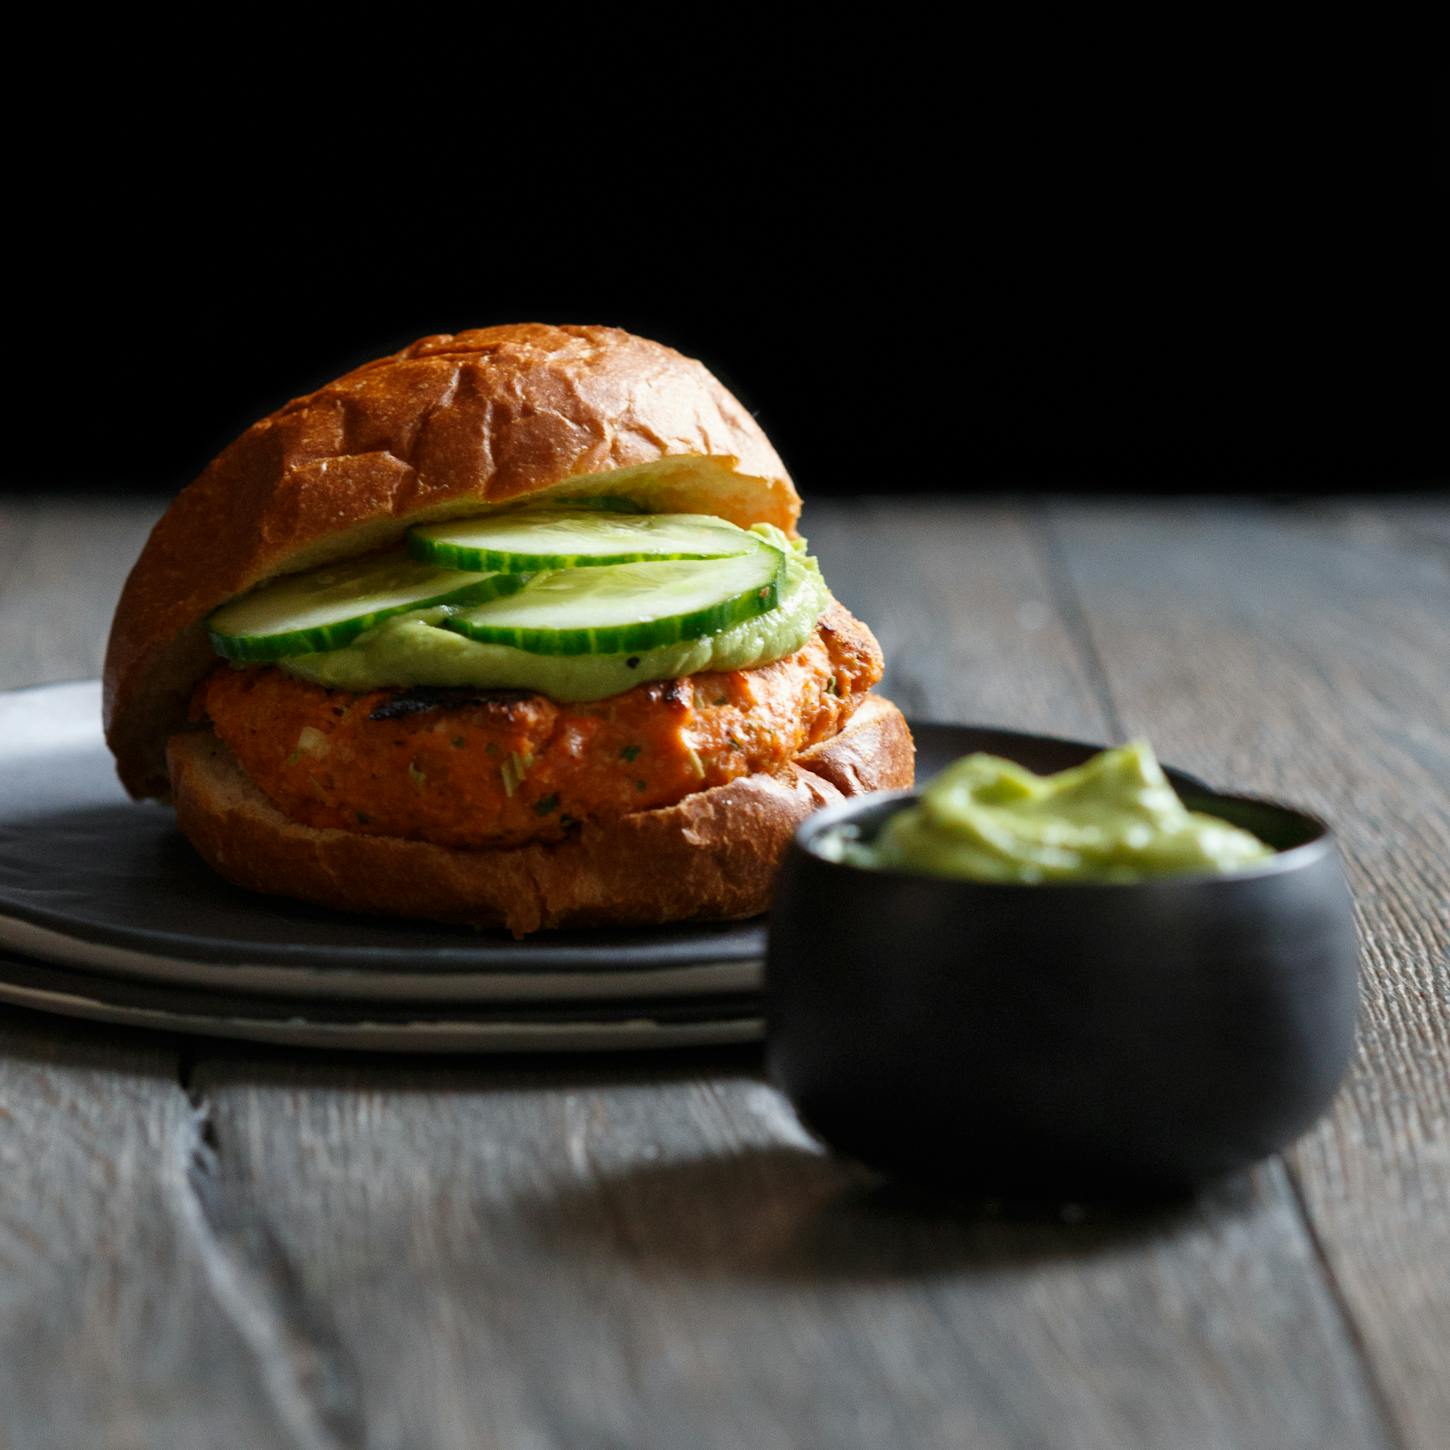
x: 210, y: 1245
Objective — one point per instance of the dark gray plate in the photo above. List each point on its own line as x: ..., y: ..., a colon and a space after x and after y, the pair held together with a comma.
x: 97, y: 882
x: 78, y: 857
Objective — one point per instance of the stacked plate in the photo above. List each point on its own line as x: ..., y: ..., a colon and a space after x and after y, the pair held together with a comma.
x: 106, y: 913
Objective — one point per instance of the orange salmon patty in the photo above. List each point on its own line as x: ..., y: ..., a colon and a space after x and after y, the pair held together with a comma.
x: 464, y: 767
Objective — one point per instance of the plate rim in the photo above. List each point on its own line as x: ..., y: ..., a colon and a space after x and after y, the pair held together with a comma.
x: 708, y: 944
x: 473, y: 970
x: 313, y: 981
x: 63, y: 991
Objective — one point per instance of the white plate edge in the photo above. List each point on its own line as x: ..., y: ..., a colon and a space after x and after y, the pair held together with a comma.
x: 64, y: 949
x: 402, y: 1037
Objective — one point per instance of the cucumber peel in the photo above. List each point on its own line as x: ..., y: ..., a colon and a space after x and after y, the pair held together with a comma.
x: 575, y: 538
x: 636, y: 606
x: 327, y: 608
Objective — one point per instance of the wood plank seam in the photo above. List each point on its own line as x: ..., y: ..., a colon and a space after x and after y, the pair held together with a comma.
x: 1074, y: 616
x: 1375, y: 1386
x: 309, y: 1375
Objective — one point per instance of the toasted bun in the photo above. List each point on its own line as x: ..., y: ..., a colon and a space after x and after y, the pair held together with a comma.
x: 447, y: 425
x: 711, y: 856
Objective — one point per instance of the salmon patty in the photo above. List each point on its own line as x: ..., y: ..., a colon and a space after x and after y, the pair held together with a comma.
x: 462, y: 767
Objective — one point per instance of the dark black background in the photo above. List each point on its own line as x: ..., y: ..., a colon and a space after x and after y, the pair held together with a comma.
x: 1240, y: 288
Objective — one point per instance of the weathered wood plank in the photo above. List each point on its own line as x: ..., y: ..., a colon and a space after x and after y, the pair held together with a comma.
x: 649, y: 1254
x: 1309, y: 656
x: 964, y: 603
x: 606, y: 1255
x: 1420, y: 524
x: 62, y: 565
x: 121, y: 1323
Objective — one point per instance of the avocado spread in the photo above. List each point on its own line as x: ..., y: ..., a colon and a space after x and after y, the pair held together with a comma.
x: 1113, y: 818
x: 410, y: 649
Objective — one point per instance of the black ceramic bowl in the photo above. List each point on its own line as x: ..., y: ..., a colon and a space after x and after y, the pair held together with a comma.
x: 1086, y: 1039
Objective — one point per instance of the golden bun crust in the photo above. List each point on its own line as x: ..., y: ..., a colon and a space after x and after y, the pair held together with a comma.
x: 712, y: 856
x: 450, y: 423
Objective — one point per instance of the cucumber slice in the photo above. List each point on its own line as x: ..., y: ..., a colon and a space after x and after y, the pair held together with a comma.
x: 636, y: 606
x: 574, y: 538
x: 326, y: 608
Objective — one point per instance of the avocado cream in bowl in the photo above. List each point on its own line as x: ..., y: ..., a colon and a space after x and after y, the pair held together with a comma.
x: 1113, y: 818
x: 1059, y: 971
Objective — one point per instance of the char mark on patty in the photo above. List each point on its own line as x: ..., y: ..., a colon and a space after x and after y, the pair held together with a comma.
x: 674, y: 693
x: 421, y: 698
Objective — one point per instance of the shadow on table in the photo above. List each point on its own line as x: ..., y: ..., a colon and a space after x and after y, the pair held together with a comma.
x: 783, y: 1212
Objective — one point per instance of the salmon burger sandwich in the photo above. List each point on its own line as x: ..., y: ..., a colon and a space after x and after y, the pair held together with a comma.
x: 512, y: 628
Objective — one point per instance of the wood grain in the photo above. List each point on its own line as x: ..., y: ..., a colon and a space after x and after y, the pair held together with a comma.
x: 120, y: 1323
x: 964, y: 602
x: 124, y: 1323
x: 1421, y: 525
x: 597, y: 1254
x: 1330, y: 643
x: 242, y: 1247
x: 62, y: 564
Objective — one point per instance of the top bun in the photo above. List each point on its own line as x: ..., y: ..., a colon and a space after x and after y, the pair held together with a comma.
x: 450, y: 425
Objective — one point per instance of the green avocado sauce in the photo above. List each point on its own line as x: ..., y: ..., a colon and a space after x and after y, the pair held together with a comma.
x: 1113, y: 818
x: 411, y: 649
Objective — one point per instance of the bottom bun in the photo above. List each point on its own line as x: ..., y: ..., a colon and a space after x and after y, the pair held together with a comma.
x: 711, y: 856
